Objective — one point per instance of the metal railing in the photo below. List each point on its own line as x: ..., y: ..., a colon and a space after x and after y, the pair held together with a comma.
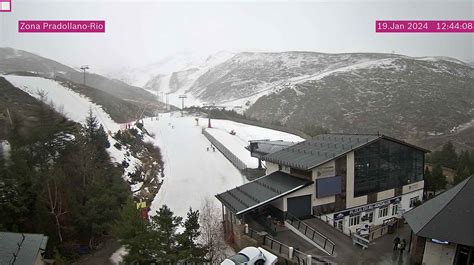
x: 357, y: 239
x: 284, y: 250
x: 312, y: 234
x: 225, y: 151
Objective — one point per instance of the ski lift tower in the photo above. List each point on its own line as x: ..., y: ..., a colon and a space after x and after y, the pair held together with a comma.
x: 209, y: 108
x: 84, y: 68
x: 182, y: 97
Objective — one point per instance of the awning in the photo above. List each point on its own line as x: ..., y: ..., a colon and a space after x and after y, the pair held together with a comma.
x: 261, y: 191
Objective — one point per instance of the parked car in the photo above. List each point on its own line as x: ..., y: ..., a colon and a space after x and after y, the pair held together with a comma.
x: 251, y: 256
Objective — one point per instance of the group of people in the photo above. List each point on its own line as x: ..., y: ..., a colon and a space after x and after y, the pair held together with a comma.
x: 213, y: 148
x: 399, y: 244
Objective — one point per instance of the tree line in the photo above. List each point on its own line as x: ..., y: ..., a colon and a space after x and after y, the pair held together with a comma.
x: 461, y: 162
x: 59, y: 181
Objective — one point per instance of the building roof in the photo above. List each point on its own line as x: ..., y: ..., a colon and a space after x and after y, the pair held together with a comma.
x: 261, y: 191
x: 323, y: 148
x: 259, y: 148
x: 448, y: 217
x: 26, y: 247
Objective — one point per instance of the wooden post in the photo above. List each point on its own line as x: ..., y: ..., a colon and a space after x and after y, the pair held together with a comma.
x: 290, y: 253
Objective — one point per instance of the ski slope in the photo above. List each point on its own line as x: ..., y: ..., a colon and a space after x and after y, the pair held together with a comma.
x: 244, y: 133
x: 75, y: 107
x: 192, y: 174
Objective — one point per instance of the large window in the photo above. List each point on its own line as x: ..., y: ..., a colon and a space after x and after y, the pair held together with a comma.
x: 354, y: 220
x: 413, y: 201
x: 385, y: 165
x: 383, y: 211
x: 394, y: 209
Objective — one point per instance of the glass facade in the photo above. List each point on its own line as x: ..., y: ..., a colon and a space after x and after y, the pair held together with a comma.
x: 385, y: 165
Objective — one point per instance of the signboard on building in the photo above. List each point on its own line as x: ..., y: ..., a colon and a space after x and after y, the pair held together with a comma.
x: 366, y: 208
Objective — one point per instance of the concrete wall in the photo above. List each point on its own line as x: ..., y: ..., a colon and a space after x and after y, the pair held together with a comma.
x: 413, y: 187
x: 405, y: 202
x: 279, y: 204
x: 438, y: 254
x: 325, y: 170
x: 271, y: 167
x: 383, y: 195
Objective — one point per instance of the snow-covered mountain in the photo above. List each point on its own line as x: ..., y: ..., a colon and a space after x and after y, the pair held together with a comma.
x: 240, y: 79
x: 22, y: 62
x: 165, y: 75
x: 396, y: 94
x: 12, y: 60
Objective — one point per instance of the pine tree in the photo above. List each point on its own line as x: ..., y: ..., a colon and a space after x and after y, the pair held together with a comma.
x: 464, y: 167
x: 91, y: 126
x: 189, y: 248
x: 134, y: 233
x: 164, y: 225
x: 439, y: 180
x: 428, y: 180
x: 449, y: 156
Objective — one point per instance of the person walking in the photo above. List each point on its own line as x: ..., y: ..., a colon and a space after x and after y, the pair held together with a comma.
x: 396, y: 241
x: 402, y: 245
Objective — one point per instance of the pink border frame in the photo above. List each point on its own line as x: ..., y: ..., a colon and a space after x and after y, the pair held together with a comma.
x: 9, y: 1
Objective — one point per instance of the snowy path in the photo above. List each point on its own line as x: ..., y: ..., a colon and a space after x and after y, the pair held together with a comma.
x: 192, y: 174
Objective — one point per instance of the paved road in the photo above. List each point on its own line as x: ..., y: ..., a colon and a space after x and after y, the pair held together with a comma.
x: 379, y: 252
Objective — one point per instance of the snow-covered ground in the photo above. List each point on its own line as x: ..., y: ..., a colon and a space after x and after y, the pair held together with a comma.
x: 75, y: 107
x: 244, y: 133
x: 192, y: 174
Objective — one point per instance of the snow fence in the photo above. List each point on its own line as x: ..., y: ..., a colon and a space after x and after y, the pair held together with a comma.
x: 225, y: 151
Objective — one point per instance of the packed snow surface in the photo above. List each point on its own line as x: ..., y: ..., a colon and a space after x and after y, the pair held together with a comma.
x: 243, y: 134
x: 192, y: 174
x: 72, y: 104
x: 75, y: 107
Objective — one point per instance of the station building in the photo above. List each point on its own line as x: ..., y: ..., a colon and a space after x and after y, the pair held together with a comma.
x: 344, y: 179
x: 443, y: 227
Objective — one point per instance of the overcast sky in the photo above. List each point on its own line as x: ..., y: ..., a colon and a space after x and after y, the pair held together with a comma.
x: 139, y: 33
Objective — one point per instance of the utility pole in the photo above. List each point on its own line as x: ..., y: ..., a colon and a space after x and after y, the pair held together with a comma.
x: 84, y: 68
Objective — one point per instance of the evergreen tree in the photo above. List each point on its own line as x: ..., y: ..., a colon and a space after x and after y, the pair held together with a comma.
x: 449, y: 156
x: 164, y: 226
x: 461, y: 174
x: 428, y: 180
x: 134, y: 233
x: 438, y: 179
x: 91, y: 126
x: 464, y: 167
x: 189, y: 248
